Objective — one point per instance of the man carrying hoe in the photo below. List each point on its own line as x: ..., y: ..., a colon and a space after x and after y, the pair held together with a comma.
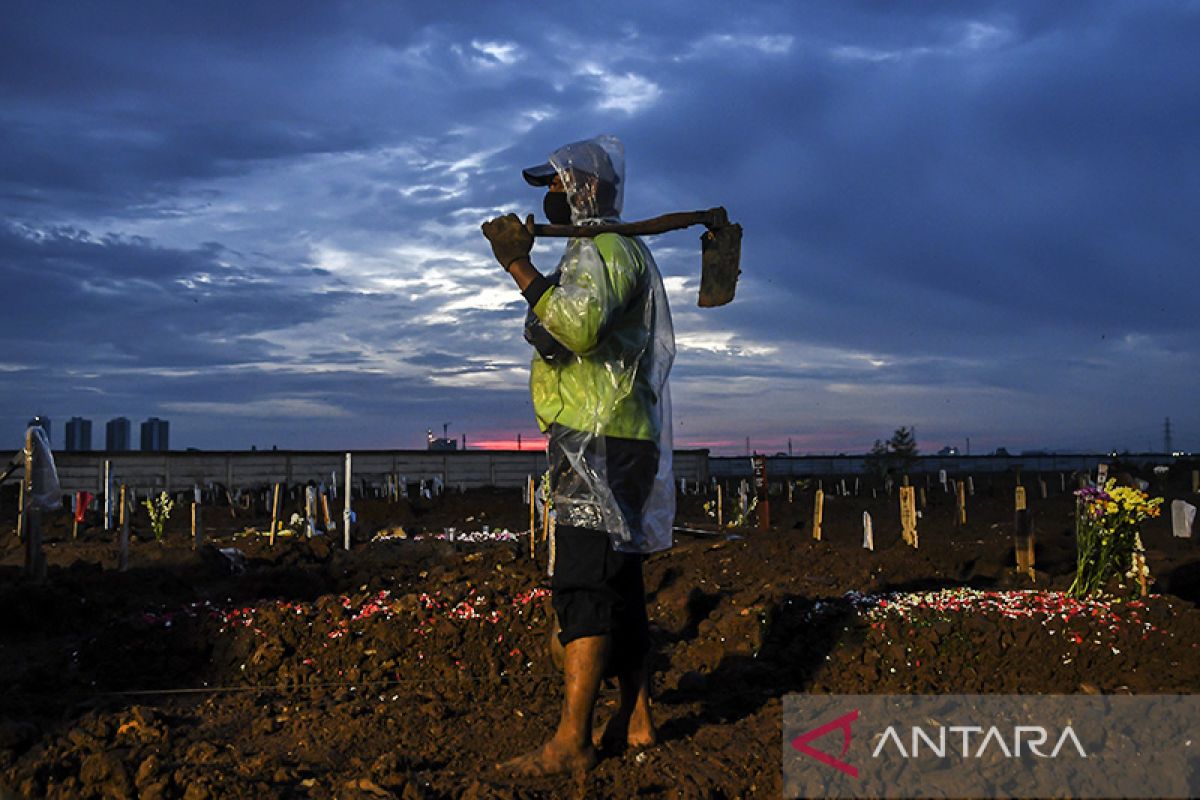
x: 603, y: 340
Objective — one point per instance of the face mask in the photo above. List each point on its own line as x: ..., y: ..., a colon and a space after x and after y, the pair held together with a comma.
x: 558, y: 210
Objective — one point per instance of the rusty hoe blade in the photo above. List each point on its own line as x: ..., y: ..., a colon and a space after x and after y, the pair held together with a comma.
x: 720, y: 262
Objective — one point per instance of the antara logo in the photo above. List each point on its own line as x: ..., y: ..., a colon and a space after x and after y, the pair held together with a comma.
x: 842, y: 724
x: 1032, y: 737
x: 972, y: 742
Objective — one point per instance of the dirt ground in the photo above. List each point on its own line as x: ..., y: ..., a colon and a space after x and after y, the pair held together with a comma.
x: 406, y: 668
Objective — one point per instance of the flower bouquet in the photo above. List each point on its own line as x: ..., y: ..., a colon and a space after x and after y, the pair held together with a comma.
x: 1107, y: 535
x: 159, y: 509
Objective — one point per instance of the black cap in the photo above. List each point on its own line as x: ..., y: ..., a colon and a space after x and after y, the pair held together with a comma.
x: 541, y: 175
x: 587, y: 158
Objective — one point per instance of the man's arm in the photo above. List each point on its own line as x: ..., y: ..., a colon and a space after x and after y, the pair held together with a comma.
x: 598, y: 278
x: 524, y: 273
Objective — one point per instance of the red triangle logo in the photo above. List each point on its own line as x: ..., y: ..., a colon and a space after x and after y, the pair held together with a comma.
x: 842, y: 723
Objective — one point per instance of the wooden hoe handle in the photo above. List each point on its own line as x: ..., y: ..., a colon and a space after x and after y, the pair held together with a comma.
x: 712, y: 218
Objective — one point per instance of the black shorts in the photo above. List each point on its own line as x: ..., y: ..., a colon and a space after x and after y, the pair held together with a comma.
x: 600, y: 592
x: 597, y: 590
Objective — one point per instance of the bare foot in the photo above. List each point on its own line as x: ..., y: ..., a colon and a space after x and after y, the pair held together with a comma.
x: 549, y: 759
x: 622, y: 732
x: 642, y: 732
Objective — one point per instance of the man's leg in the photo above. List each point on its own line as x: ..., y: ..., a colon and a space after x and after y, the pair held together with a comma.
x: 633, y: 724
x: 570, y: 748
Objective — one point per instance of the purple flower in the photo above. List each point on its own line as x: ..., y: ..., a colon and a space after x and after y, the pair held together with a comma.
x: 1093, y: 494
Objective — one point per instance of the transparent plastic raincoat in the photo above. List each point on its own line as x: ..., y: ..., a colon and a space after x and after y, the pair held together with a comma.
x: 45, y: 491
x: 605, y: 344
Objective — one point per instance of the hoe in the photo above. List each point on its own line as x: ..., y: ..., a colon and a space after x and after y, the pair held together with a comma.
x: 720, y: 253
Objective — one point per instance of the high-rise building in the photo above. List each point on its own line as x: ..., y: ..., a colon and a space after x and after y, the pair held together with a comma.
x: 79, y: 435
x: 155, y: 434
x: 41, y: 422
x: 116, y: 434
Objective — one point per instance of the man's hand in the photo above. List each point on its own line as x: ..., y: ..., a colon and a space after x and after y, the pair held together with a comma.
x: 510, y: 238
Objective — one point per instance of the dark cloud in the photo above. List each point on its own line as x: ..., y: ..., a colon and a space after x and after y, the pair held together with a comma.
x: 981, y: 206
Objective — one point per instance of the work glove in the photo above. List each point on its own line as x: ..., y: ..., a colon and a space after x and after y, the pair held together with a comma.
x: 510, y: 238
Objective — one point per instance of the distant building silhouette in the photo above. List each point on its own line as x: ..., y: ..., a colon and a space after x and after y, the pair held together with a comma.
x: 116, y: 434
x: 444, y: 442
x: 155, y: 435
x: 41, y: 422
x: 79, y: 435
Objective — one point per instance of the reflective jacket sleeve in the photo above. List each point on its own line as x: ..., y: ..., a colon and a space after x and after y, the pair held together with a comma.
x: 598, y: 278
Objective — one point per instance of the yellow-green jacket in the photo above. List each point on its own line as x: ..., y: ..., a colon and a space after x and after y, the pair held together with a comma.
x: 596, y: 306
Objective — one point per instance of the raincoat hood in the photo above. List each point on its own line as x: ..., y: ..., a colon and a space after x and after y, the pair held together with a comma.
x: 593, y: 174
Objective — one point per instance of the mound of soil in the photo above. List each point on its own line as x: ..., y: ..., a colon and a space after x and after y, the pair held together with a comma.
x: 406, y: 668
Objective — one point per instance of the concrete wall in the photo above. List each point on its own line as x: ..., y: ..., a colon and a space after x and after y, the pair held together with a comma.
x: 472, y: 469
x: 146, y: 472
x: 803, y: 466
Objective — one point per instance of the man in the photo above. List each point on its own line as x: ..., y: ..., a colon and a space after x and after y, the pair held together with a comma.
x: 604, y: 344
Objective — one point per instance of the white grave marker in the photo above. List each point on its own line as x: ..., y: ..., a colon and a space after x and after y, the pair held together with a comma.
x: 1183, y: 514
x: 868, y: 534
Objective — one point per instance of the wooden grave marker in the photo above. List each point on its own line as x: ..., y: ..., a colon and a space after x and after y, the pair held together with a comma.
x: 274, y: 514
x: 123, y: 541
x: 325, y: 512
x: 818, y: 513
x: 908, y: 516
x: 1023, y: 541
x: 197, y: 526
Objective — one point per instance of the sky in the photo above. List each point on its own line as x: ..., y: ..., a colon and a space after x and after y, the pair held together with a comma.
x: 260, y: 221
